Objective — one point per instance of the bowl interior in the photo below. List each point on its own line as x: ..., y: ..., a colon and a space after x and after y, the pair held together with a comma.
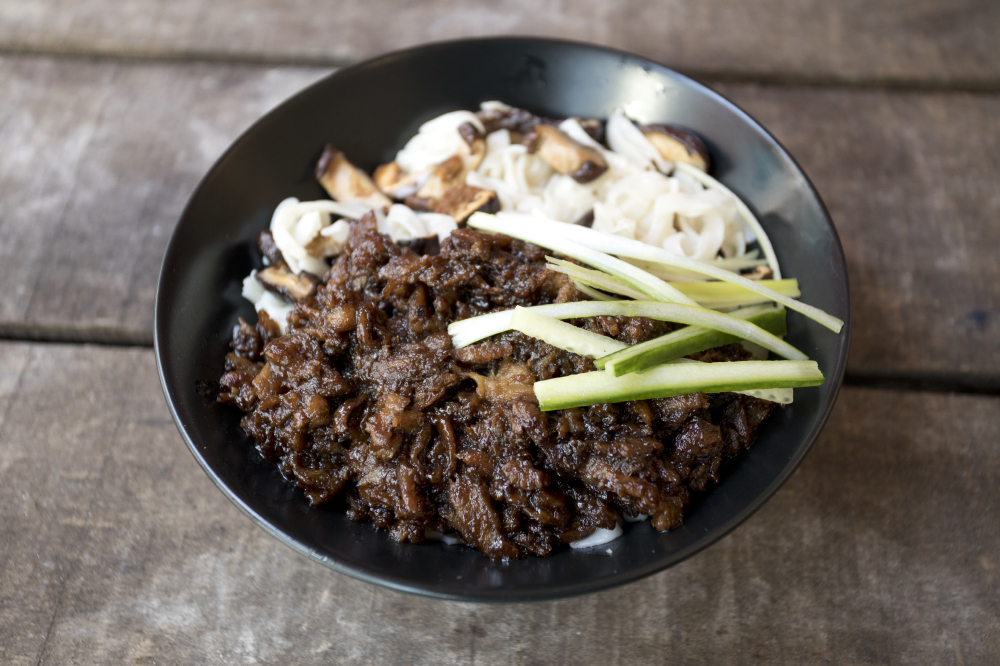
x: 369, y: 111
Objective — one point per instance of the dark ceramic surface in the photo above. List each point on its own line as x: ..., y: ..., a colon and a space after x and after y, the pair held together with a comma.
x: 369, y: 110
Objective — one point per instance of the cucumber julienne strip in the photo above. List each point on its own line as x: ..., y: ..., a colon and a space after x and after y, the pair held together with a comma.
x: 688, y: 340
x: 744, y: 261
x: 672, y: 379
x: 748, y: 216
x: 467, y: 331
x: 739, y: 263
x: 708, y: 294
x: 590, y: 291
x: 672, y: 274
x: 565, y: 336
x: 512, y: 224
x: 645, y: 282
x: 725, y: 295
x: 782, y: 396
x: 580, y: 341
x: 599, y: 280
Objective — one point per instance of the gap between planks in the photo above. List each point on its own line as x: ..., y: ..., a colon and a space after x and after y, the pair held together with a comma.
x: 80, y: 335
x: 928, y: 381
x: 261, y: 59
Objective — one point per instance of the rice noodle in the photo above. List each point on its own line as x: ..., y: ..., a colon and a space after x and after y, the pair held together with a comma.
x: 402, y: 224
x: 598, y: 537
x: 296, y: 225
x: 634, y: 198
x: 436, y: 141
x: 262, y: 299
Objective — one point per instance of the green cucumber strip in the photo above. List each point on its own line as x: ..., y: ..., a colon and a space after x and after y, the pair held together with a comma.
x: 726, y: 295
x: 782, y: 396
x: 626, y: 247
x: 748, y: 260
x: 593, y: 293
x: 758, y: 352
x: 565, y: 336
x: 467, y: 331
x: 714, y: 295
x: 688, y: 340
x: 748, y: 216
x: 672, y: 274
x: 598, y: 280
x: 592, y: 388
x: 463, y: 333
x: 645, y: 282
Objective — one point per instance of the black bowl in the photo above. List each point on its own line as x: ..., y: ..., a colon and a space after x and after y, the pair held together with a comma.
x: 368, y: 111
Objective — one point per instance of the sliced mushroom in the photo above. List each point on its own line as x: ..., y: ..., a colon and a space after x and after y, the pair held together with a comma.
x: 470, y: 133
x: 761, y: 272
x: 520, y: 122
x: 420, y: 204
x: 678, y: 145
x: 286, y: 284
x: 323, y: 246
x: 445, y: 191
x: 565, y: 155
x: 462, y: 201
x: 585, y: 220
x: 265, y: 241
x: 514, y: 120
x: 446, y: 175
x: 345, y: 182
x: 391, y: 179
x: 428, y: 186
x: 476, y: 146
x: 593, y: 127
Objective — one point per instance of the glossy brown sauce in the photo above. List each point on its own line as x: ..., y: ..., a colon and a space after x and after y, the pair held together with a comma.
x: 364, y: 399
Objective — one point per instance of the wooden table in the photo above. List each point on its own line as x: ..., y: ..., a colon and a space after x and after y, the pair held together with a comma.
x: 115, y: 548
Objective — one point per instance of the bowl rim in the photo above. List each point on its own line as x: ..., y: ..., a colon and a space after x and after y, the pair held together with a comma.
x: 836, y: 376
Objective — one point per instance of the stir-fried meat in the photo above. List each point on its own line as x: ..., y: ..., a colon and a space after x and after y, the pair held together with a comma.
x: 364, y: 398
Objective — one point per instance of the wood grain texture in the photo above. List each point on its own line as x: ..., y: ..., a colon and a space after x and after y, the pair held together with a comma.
x: 97, y: 160
x: 849, y: 40
x: 96, y: 164
x: 912, y: 182
x: 116, y: 548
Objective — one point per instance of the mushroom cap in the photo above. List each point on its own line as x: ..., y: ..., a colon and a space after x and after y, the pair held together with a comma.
x: 581, y: 163
x: 345, y: 182
x: 678, y: 144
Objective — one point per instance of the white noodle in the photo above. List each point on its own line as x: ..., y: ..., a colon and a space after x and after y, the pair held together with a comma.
x: 634, y: 198
x: 626, y: 139
x: 262, y: 299
x: 403, y: 223
x: 296, y: 224
x: 599, y: 537
x: 436, y: 141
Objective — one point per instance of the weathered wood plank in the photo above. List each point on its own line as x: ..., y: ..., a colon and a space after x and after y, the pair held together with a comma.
x: 96, y: 164
x: 96, y: 161
x: 116, y: 548
x: 913, y: 184
x: 913, y: 40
